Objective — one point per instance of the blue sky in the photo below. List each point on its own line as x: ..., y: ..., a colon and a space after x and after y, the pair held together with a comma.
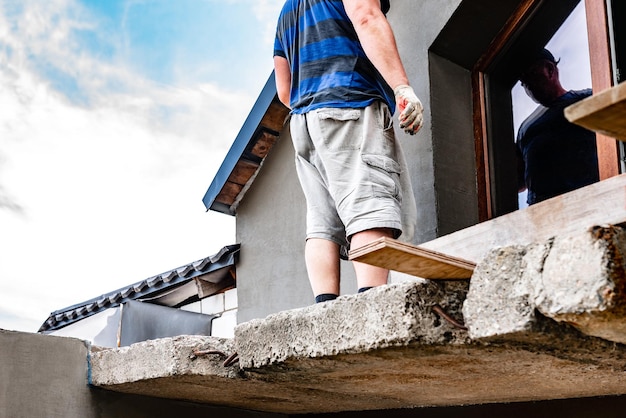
x: 115, y: 116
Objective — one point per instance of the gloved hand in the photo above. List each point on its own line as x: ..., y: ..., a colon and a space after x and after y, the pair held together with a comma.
x: 411, y: 109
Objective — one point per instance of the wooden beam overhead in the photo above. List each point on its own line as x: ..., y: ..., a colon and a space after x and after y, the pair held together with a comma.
x: 263, y: 144
x: 274, y: 118
x: 601, y: 78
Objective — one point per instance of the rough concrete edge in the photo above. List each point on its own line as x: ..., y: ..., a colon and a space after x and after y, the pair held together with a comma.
x: 563, y: 341
x: 604, y: 314
x: 499, y: 300
x: 386, y: 316
x: 576, y: 274
x: 164, y: 357
x: 515, y: 282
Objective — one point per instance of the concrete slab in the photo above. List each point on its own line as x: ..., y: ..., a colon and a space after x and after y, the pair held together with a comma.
x: 384, y: 349
x: 578, y: 279
x: 383, y: 317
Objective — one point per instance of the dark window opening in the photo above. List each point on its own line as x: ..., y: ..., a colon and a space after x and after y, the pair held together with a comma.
x: 473, y: 69
x: 618, y: 32
x: 570, y: 47
x: 617, y: 8
x: 535, y: 30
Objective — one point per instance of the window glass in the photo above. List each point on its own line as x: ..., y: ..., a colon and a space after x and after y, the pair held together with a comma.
x: 571, y: 47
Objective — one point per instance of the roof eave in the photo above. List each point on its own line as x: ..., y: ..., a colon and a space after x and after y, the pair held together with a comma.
x: 255, y: 139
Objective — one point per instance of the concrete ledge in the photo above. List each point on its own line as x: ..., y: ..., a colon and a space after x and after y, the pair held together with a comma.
x: 383, y: 317
x: 384, y: 349
x: 578, y: 279
x: 156, y: 359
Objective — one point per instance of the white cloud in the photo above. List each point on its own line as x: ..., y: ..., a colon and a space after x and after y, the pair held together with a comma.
x: 110, y: 187
x: 267, y: 12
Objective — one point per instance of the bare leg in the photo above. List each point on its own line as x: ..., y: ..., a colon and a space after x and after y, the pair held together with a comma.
x: 322, y: 264
x: 368, y: 275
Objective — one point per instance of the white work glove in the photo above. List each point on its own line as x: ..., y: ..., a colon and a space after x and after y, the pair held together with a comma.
x: 411, y: 109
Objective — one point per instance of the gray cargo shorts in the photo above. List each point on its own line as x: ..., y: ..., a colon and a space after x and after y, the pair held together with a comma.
x: 347, y: 164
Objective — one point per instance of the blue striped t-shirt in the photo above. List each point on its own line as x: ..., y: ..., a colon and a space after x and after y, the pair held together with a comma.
x: 328, y: 65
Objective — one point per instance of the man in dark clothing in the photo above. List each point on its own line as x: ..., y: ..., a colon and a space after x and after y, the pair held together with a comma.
x: 556, y: 156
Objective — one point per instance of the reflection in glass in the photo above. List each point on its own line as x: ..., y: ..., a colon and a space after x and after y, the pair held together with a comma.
x: 570, y: 46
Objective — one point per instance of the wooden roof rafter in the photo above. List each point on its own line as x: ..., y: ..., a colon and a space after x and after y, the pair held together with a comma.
x: 254, y: 142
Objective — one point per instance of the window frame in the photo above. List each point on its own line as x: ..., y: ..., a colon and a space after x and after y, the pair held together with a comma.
x: 491, y: 201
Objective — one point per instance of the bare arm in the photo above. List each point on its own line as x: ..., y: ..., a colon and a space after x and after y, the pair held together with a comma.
x: 377, y: 39
x: 379, y: 44
x: 283, y: 79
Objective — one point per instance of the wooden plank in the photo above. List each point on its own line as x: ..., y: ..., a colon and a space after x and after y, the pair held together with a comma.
x: 243, y: 172
x: 413, y: 260
x: 229, y: 193
x: 481, y: 146
x: 600, y: 203
x: 604, y: 112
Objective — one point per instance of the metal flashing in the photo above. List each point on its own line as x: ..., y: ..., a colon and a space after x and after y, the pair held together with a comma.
x: 244, y: 159
x: 145, y: 289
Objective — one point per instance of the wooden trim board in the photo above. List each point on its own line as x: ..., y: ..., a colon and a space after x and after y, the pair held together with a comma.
x: 601, y: 79
x: 406, y: 258
x: 598, y: 204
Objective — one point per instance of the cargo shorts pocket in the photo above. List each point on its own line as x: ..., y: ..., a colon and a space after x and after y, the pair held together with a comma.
x: 384, y: 176
x: 340, y: 128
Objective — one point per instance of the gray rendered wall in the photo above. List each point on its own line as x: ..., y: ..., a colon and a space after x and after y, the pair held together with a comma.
x: 271, y: 274
x: 43, y: 376
x: 416, y: 24
x: 453, y: 150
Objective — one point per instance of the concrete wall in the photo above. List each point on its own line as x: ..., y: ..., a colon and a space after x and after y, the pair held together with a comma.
x: 43, y: 376
x: 271, y: 273
x: 416, y: 24
x: 453, y: 148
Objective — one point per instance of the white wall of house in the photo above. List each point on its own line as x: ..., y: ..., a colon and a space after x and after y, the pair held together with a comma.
x: 224, y: 304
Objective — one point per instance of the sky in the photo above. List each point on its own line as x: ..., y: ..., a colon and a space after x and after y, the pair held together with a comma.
x: 114, y: 117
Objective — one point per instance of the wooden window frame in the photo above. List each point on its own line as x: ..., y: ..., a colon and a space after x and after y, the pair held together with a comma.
x: 602, y: 78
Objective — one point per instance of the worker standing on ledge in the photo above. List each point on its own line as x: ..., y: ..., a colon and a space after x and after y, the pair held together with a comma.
x: 338, y: 69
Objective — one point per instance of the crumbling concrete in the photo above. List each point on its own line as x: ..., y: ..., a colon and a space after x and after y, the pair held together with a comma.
x: 153, y: 359
x: 388, y: 316
x: 577, y: 279
x: 388, y: 348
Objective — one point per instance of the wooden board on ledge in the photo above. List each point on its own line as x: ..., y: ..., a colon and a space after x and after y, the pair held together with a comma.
x: 410, y: 259
x: 604, y: 112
